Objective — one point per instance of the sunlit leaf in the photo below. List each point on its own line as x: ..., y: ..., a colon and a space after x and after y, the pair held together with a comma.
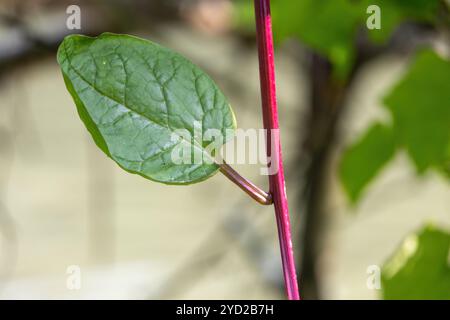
x: 135, y: 97
x: 420, y: 267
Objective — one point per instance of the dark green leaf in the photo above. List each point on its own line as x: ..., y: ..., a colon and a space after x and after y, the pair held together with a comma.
x: 135, y: 97
x: 362, y: 161
x: 420, y: 268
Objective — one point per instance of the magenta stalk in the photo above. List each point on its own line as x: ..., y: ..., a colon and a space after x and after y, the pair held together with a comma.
x: 277, y: 187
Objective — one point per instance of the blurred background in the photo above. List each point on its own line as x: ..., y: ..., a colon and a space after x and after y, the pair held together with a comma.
x: 364, y: 102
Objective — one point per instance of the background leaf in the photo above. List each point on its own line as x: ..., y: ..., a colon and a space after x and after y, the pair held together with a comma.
x: 420, y: 106
x: 362, y: 161
x: 327, y: 26
x: 134, y: 95
x: 394, y: 12
x: 330, y: 27
x: 420, y: 268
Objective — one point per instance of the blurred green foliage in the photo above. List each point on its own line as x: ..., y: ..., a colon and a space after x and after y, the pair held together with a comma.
x: 365, y: 158
x: 394, y: 12
x: 420, y: 109
x: 330, y: 27
x: 244, y: 16
x: 419, y: 269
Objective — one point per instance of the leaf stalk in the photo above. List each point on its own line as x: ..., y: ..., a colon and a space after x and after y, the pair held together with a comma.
x: 247, y: 186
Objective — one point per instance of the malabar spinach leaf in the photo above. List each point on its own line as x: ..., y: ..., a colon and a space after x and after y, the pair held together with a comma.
x: 135, y: 97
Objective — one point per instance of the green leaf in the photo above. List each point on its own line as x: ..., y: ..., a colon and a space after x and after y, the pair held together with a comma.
x: 420, y: 268
x: 363, y: 160
x: 141, y: 101
x: 420, y: 105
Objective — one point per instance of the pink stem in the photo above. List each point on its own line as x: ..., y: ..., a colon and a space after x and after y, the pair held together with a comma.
x: 251, y: 189
x: 270, y: 118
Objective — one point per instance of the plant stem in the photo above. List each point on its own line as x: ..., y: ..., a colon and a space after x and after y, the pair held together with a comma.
x: 252, y: 190
x: 270, y: 118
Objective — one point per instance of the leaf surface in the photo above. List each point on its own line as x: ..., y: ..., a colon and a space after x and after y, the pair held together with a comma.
x: 141, y: 102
